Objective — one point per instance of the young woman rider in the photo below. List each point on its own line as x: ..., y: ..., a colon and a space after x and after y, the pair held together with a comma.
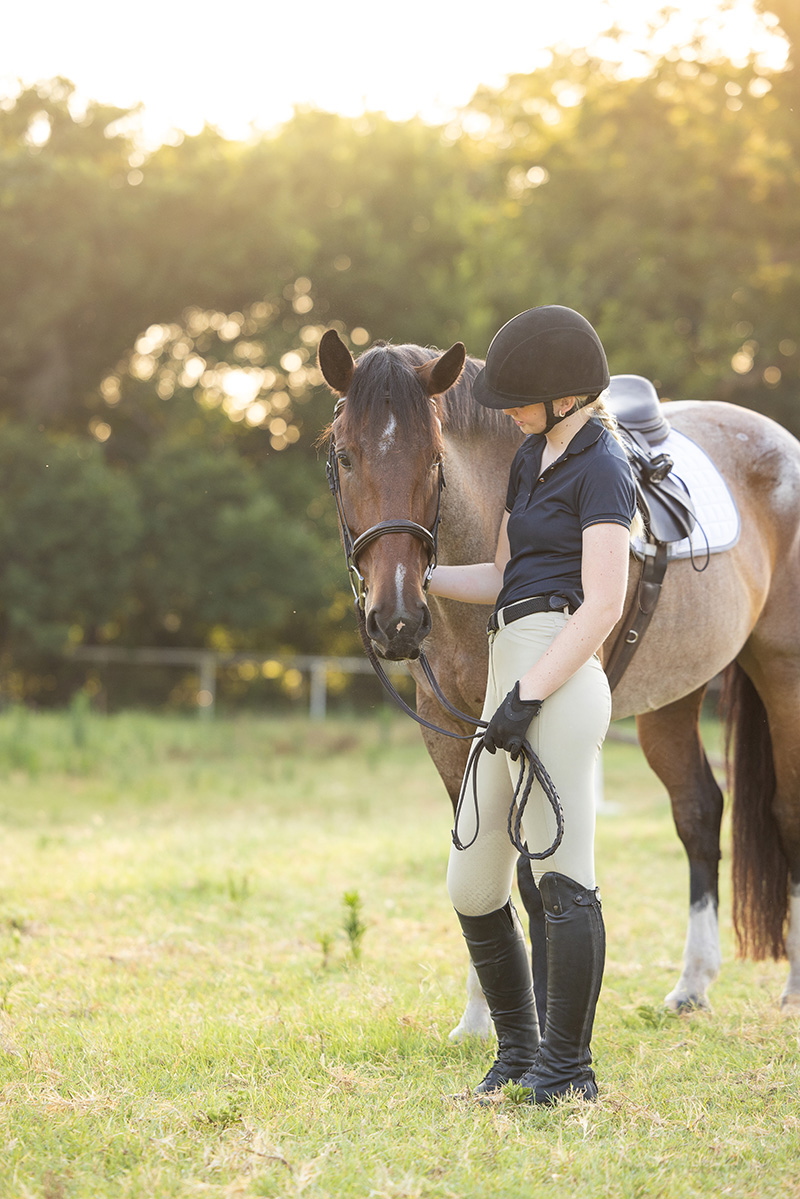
x: 558, y: 586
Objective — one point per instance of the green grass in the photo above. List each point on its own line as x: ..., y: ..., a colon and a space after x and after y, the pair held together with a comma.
x: 228, y: 967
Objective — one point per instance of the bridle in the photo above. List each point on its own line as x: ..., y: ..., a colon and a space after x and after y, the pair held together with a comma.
x: 353, y: 547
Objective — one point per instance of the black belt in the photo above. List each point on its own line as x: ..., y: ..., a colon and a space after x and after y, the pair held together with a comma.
x: 527, y: 607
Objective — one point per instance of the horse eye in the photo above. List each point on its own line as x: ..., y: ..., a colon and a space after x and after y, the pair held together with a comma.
x: 438, y: 460
x: 343, y: 460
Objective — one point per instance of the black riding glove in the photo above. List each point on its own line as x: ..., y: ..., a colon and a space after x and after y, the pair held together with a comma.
x: 508, y: 726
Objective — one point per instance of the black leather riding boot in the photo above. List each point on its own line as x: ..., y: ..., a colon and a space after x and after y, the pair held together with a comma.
x: 497, y: 947
x: 576, y: 950
x: 532, y: 901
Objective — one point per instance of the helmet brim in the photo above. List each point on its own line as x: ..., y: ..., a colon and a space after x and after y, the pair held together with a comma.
x: 485, y: 395
x: 489, y: 398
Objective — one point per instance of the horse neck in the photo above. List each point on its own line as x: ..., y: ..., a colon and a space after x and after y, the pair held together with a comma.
x: 476, y: 470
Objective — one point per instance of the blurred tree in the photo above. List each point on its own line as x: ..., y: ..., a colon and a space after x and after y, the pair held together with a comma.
x: 787, y: 13
x: 222, y: 563
x: 167, y: 307
x: 69, y: 530
x: 69, y: 268
x: 380, y: 213
x: 105, y: 242
x: 244, y: 387
x: 239, y: 378
x: 661, y: 207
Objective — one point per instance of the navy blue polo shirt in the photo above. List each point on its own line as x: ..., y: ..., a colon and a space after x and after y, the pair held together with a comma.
x: 590, y: 484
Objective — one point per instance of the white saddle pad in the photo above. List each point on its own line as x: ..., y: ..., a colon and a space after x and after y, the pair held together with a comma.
x: 718, y: 524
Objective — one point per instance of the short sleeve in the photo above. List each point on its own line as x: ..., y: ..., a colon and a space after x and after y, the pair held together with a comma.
x: 513, y: 481
x: 606, y: 494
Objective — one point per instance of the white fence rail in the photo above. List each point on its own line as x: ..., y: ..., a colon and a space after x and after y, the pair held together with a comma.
x: 206, y: 663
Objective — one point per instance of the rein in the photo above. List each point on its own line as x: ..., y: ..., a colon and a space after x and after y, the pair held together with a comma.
x: 528, y: 759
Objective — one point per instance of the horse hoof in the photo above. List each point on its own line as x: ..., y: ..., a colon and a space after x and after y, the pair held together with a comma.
x: 685, y: 1004
x: 692, y: 1004
x: 480, y: 1028
x: 790, y: 1005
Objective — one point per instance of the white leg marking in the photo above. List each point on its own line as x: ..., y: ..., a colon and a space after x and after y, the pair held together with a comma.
x: 476, y: 1021
x: 790, y: 999
x: 387, y: 437
x: 701, y: 958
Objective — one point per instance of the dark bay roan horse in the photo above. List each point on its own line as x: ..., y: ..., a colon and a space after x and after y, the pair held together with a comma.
x: 406, y: 409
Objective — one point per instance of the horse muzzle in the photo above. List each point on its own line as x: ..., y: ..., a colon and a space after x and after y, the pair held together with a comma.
x: 398, y: 635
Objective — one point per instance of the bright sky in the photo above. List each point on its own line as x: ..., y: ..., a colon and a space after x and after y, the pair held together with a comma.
x: 245, y: 64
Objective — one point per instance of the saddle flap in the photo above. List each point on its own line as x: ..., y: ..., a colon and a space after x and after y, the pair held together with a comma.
x: 667, y: 509
x: 663, y: 499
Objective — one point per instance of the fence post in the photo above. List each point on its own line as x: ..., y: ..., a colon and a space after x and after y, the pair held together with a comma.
x: 207, y: 695
x: 317, y: 703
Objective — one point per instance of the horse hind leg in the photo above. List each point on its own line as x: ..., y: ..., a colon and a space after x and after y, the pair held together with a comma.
x: 790, y: 999
x: 670, y: 739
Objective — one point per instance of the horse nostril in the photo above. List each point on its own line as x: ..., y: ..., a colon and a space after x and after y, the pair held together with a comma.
x: 372, y: 626
x: 398, y: 628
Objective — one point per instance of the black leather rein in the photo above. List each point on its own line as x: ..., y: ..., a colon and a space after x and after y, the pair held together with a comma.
x: 353, y: 547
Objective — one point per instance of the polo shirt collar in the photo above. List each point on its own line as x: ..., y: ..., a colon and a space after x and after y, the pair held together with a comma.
x: 587, y: 435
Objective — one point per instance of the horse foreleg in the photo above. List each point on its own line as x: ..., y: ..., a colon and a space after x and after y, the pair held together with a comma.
x: 476, y: 1020
x: 449, y: 757
x: 670, y: 739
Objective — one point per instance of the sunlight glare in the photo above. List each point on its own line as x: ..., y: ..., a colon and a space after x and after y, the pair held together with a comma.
x: 439, y: 57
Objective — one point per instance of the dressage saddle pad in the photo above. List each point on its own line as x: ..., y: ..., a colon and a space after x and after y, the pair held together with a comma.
x: 718, y: 524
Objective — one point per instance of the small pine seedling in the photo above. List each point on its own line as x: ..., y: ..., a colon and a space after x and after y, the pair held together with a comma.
x: 325, y: 942
x: 238, y: 887
x: 354, y: 926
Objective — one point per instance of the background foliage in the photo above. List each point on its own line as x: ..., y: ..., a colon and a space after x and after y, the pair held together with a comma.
x: 159, y: 315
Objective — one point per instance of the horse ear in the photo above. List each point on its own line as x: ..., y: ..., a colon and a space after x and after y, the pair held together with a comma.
x: 336, y: 362
x: 439, y: 375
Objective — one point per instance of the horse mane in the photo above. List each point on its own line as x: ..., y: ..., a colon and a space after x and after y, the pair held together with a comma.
x: 388, y: 371
x: 464, y: 417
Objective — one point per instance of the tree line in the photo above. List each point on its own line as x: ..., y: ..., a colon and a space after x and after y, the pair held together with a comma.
x: 159, y: 315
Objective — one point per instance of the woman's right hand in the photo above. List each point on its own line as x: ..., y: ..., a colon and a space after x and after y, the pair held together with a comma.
x: 509, y: 726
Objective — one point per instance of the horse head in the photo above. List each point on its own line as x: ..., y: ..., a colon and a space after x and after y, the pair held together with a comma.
x: 385, y: 468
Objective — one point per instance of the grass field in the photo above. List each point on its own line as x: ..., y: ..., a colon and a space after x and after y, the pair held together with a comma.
x: 228, y: 967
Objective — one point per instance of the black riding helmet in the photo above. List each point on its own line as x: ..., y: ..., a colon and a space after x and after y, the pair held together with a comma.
x: 539, y: 356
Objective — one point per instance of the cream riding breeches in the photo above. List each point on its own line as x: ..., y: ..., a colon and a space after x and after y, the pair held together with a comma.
x: 567, y: 736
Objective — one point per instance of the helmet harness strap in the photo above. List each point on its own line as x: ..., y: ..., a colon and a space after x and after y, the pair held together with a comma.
x: 553, y: 418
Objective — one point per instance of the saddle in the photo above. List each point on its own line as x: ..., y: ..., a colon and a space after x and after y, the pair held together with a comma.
x: 664, y: 502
